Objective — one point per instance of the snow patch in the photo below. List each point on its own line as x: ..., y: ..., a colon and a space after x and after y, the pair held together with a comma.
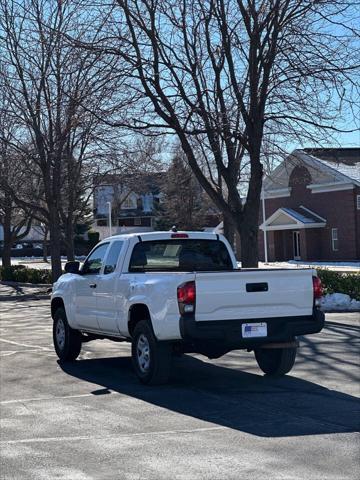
x: 339, y: 301
x: 355, y: 265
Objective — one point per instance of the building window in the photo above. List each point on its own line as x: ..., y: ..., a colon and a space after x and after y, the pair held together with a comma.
x: 334, y: 239
x: 358, y: 202
x: 128, y: 202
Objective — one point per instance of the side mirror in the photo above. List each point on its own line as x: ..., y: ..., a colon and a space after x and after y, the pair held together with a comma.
x: 72, y: 267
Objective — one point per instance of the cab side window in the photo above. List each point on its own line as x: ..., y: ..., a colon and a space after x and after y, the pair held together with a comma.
x: 95, y: 260
x: 113, y: 257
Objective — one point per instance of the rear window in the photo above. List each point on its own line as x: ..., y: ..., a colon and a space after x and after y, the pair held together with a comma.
x: 180, y: 255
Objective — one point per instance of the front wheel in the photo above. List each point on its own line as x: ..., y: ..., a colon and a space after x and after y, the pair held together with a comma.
x: 67, y: 341
x: 151, y: 359
x: 276, y: 361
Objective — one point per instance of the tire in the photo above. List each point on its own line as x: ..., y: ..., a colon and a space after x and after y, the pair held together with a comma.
x: 67, y: 341
x: 276, y: 361
x: 151, y: 359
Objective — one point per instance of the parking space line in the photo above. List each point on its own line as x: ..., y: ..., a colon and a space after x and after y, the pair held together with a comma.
x: 7, y: 353
x: 39, y: 399
x: 24, y: 344
x: 109, y: 437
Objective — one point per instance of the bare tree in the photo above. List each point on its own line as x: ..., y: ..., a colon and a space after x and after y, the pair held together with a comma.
x: 15, y: 219
x: 183, y: 201
x: 51, y: 86
x: 229, y: 76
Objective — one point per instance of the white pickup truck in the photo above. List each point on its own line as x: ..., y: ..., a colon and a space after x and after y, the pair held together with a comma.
x: 170, y: 293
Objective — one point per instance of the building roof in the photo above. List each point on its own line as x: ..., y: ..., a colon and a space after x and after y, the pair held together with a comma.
x: 143, y: 182
x: 303, y: 215
x: 293, y: 218
x: 347, y: 156
x: 334, y: 168
x: 343, y: 160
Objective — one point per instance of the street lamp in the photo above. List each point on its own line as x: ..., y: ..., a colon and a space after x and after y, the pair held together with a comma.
x: 110, y: 229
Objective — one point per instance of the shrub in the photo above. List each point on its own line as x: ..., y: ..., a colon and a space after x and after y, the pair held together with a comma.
x: 19, y: 273
x: 340, y: 282
x: 94, y: 238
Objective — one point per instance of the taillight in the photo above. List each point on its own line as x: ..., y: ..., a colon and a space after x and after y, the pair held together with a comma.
x: 317, y: 289
x: 186, y: 295
x: 179, y: 235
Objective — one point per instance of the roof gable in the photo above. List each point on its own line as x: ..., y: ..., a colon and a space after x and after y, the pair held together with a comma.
x: 323, y: 172
x: 282, y: 218
x: 293, y: 219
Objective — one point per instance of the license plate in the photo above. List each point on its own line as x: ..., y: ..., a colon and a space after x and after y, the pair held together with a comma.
x: 251, y: 330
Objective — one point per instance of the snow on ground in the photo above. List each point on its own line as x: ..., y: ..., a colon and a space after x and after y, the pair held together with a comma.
x: 339, y: 301
x: 336, y: 266
x: 330, y: 265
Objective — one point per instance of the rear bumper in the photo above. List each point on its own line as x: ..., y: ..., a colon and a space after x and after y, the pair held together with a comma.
x: 229, y: 332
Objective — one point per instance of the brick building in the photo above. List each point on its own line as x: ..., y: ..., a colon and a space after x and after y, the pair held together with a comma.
x: 312, y: 207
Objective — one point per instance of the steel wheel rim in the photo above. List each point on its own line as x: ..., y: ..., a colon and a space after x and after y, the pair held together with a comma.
x: 60, y: 333
x: 143, y: 353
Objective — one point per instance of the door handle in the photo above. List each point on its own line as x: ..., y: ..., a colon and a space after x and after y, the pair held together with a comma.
x: 257, y: 287
x: 92, y: 285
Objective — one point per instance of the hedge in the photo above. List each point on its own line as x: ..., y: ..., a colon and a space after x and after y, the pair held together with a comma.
x: 340, y: 282
x: 22, y: 274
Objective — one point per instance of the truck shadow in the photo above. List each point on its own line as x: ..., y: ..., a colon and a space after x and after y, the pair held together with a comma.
x: 227, y: 397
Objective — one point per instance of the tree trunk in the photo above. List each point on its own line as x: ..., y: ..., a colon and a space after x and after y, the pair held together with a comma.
x: 69, y: 240
x: 248, y: 227
x: 70, y: 252
x: 45, y: 246
x: 8, y: 241
x: 55, y: 245
x: 6, y: 255
x: 249, y: 245
x: 248, y: 230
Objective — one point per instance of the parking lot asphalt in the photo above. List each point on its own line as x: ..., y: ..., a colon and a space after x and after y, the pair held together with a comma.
x: 219, y: 419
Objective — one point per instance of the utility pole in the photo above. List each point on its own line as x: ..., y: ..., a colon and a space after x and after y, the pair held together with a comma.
x: 110, y: 222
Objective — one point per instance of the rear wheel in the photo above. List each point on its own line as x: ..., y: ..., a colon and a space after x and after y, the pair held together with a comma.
x: 276, y: 361
x: 67, y: 341
x: 151, y: 359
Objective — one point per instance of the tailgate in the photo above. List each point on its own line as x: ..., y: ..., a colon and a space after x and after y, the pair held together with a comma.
x: 253, y: 294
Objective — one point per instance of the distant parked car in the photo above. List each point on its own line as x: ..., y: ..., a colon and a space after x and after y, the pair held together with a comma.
x: 27, y: 245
